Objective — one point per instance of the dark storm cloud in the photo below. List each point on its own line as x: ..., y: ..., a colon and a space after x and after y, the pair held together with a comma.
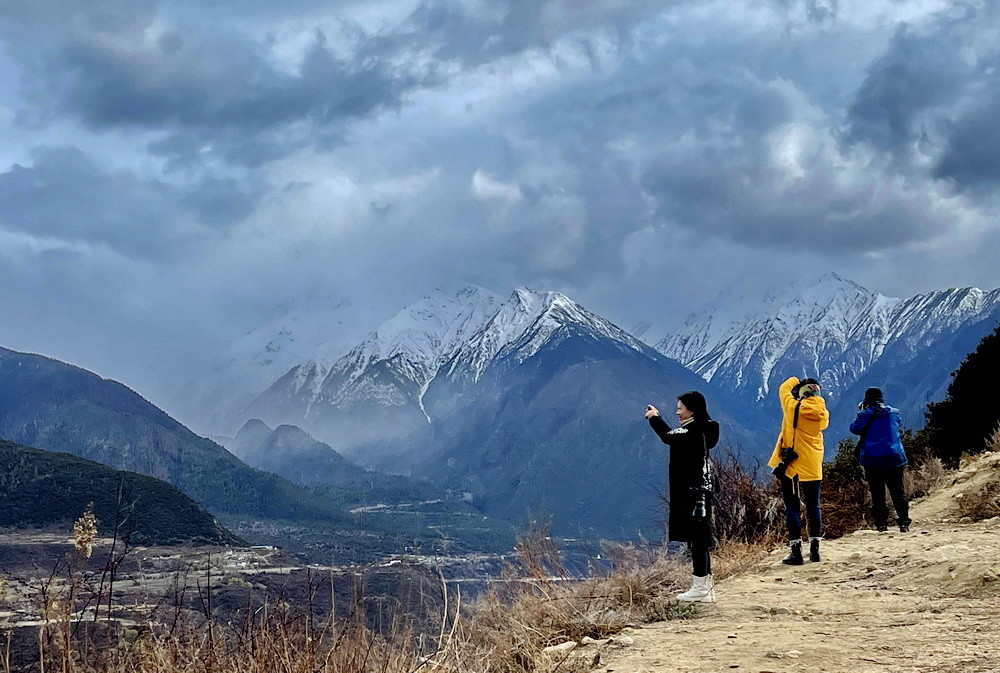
x: 936, y: 92
x: 65, y: 195
x: 213, y: 82
x: 208, y: 85
x: 719, y: 194
x: 972, y: 154
x: 916, y: 74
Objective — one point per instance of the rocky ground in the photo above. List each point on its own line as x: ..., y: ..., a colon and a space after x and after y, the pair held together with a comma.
x: 921, y: 602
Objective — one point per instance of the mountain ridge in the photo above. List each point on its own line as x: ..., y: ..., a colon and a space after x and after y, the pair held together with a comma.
x: 57, y: 406
x: 835, y: 330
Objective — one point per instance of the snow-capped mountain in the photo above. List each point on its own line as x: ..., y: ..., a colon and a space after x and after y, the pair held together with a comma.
x: 832, y: 329
x: 388, y: 370
x: 410, y: 347
x: 376, y: 391
x: 522, y: 325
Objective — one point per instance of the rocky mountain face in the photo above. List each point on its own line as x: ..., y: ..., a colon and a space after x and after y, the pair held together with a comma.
x: 529, y: 402
x: 58, y: 407
x: 45, y: 488
x: 846, y: 336
x: 553, y: 422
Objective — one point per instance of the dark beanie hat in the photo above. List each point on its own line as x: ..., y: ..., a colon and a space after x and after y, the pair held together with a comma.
x: 695, y: 401
x: 873, y: 396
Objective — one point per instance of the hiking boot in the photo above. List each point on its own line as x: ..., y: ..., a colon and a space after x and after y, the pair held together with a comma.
x: 881, y: 528
x: 904, y: 526
x: 794, y: 557
x: 702, y: 590
x: 814, y: 550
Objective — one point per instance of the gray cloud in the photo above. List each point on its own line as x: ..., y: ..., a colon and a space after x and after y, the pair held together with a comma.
x: 638, y: 155
x: 214, y: 90
x: 972, y: 154
x: 65, y: 195
x: 934, y: 95
x: 213, y: 81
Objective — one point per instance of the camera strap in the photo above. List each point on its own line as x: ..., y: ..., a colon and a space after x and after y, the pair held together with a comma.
x: 795, y: 422
x: 868, y: 426
x: 864, y: 435
x: 795, y: 429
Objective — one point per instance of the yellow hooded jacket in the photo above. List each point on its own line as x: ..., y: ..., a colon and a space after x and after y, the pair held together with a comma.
x: 813, y: 420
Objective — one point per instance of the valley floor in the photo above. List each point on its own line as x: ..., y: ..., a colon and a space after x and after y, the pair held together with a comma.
x: 926, y: 601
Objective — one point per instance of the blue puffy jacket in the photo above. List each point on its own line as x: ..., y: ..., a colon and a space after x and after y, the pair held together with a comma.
x: 880, y: 446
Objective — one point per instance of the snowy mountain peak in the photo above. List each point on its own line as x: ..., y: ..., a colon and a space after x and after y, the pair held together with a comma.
x: 406, y: 351
x: 432, y: 326
x: 523, y: 325
x: 831, y: 327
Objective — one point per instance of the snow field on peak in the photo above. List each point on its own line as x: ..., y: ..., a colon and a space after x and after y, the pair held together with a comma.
x: 455, y: 335
x: 837, y: 328
x: 522, y: 326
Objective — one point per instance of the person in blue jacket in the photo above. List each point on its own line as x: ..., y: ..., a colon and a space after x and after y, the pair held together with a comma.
x: 882, y: 456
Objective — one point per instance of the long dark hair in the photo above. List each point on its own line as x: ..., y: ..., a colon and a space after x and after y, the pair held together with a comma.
x: 695, y: 401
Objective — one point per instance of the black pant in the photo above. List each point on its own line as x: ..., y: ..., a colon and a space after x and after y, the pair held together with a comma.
x: 701, y: 561
x: 793, y: 514
x: 880, y: 478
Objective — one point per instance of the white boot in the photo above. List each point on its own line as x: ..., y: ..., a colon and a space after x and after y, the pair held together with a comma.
x: 702, y: 590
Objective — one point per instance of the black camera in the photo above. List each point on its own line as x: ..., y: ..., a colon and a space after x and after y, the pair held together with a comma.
x: 787, y: 455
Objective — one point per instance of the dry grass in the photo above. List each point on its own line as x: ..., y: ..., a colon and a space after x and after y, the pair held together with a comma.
x: 926, y: 472
x: 981, y: 503
x: 506, y: 630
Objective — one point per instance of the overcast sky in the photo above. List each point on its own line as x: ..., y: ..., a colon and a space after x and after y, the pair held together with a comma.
x: 174, y: 173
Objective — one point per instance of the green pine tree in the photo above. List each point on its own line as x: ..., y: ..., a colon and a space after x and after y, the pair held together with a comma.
x: 966, y: 419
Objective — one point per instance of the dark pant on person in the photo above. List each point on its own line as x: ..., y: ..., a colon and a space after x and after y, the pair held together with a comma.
x: 701, y: 561
x: 879, y: 479
x: 793, y: 514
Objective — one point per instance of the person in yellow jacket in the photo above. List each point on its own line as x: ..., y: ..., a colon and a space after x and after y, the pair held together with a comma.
x: 797, y: 461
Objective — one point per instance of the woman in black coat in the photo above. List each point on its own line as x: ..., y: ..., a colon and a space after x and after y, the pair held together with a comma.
x: 690, y: 518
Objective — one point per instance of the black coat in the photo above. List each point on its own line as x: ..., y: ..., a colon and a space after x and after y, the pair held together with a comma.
x: 689, y: 448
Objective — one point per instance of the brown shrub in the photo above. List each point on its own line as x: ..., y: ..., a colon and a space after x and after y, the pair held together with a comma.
x: 926, y: 471
x: 844, y: 496
x: 747, y: 508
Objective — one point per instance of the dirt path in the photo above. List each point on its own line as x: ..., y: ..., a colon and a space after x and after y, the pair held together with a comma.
x: 920, y: 602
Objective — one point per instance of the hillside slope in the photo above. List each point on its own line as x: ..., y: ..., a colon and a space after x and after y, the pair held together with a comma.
x: 56, y: 406
x: 43, y: 488
x: 924, y: 601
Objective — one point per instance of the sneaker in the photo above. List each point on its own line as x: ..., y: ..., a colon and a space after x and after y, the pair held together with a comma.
x: 702, y: 590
